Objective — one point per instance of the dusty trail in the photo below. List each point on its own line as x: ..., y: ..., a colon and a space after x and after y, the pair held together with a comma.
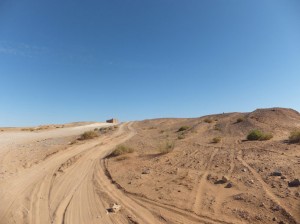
x: 72, y: 186
x: 60, y: 191
x: 201, y: 183
x: 293, y: 213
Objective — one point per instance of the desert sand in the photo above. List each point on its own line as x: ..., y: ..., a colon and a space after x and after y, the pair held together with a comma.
x: 47, y: 176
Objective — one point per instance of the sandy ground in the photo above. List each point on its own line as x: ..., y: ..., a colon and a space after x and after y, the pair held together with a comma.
x: 48, y: 177
x: 68, y: 186
x: 184, y: 185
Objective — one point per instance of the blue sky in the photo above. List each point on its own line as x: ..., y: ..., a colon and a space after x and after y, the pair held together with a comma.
x: 63, y: 61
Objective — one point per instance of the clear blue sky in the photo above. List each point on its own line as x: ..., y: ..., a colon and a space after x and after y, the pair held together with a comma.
x: 71, y: 60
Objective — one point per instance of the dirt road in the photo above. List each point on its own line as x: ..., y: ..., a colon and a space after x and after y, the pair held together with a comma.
x: 69, y: 186
x: 45, y: 179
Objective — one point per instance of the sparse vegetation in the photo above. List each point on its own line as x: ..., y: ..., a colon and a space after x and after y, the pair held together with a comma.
x: 183, y: 128
x: 181, y: 137
x: 27, y: 129
x: 120, y: 150
x: 294, y: 137
x: 88, y: 135
x: 216, y: 139
x: 105, y: 130
x: 257, y: 135
x: 240, y: 119
x: 208, y: 120
x: 168, y: 147
x: 217, y: 127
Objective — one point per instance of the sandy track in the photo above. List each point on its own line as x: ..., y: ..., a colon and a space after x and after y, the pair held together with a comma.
x: 70, y: 187
x: 293, y: 213
x: 201, y: 183
x: 73, y: 186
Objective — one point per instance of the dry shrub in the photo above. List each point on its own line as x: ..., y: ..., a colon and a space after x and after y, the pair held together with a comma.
x: 183, y: 128
x: 168, y: 147
x: 120, y: 150
x: 88, y: 135
x: 256, y: 135
x: 239, y: 120
x: 295, y: 137
x: 181, y: 137
x: 208, y: 120
x: 216, y: 139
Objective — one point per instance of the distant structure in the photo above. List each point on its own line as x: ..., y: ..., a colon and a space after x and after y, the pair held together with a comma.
x: 113, y: 120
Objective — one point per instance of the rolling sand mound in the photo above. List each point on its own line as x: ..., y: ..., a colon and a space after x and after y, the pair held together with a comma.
x: 199, y: 170
x: 189, y: 178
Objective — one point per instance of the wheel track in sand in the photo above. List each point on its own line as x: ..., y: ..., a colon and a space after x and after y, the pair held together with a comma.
x: 219, y: 198
x: 292, y: 214
x: 61, y: 195
x: 187, y: 215
x: 197, y: 203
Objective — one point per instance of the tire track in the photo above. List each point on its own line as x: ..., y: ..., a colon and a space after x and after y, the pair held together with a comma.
x: 294, y: 215
x: 197, y: 204
x: 183, y: 214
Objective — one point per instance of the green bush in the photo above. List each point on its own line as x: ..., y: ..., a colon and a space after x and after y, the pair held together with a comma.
x: 256, y: 135
x: 208, y: 120
x: 168, y: 147
x: 295, y: 137
x: 216, y: 140
x: 183, y: 128
x: 120, y: 150
x: 88, y: 135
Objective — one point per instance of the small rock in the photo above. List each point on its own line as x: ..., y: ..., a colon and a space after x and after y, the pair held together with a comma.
x: 297, y: 194
x: 147, y: 171
x: 281, y: 222
x: 251, y: 181
x: 244, y: 170
x: 225, y: 179
x: 208, y: 177
x: 294, y: 183
x: 238, y: 197
x: 283, y: 177
x: 276, y: 208
x: 229, y: 185
x: 262, y: 205
x: 274, y: 219
x: 114, y: 208
x: 276, y: 173
x: 258, y: 217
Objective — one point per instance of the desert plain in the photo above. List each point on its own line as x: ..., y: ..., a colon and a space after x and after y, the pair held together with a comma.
x: 168, y: 170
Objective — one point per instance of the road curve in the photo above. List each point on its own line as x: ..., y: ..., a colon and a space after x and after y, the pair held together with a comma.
x: 71, y: 187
